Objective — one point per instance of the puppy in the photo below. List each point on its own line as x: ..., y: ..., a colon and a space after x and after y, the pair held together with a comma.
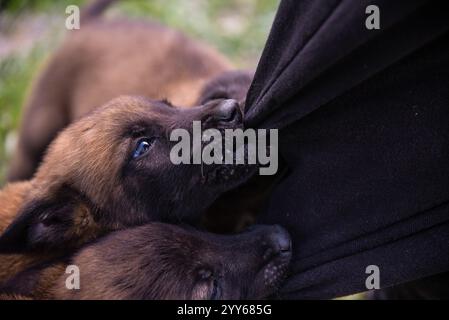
x: 112, y: 170
x: 105, y: 59
x: 161, y: 261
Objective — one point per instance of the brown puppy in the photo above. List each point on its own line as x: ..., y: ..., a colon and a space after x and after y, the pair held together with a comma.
x: 96, y: 176
x: 161, y: 261
x: 106, y: 59
x: 11, y: 200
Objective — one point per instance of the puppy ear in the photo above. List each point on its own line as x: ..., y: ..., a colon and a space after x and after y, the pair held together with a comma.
x: 62, y: 221
x: 228, y: 85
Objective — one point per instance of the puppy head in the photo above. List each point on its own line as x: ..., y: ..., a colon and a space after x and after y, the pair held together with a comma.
x: 112, y: 169
x: 250, y: 265
x: 161, y: 261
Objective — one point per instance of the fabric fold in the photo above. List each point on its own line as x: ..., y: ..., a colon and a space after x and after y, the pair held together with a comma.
x: 364, y: 130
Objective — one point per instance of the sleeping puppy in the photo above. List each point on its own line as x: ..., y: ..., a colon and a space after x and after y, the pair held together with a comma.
x: 161, y: 261
x: 106, y: 59
x: 112, y: 170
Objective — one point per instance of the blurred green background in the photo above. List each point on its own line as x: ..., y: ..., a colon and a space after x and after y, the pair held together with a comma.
x: 30, y: 30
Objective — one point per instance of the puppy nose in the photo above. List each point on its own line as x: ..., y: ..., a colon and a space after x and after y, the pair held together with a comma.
x: 278, y: 241
x: 228, y: 111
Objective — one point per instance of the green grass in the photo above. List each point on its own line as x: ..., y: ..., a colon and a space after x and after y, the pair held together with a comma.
x: 238, y: 28
x: 16, y: 74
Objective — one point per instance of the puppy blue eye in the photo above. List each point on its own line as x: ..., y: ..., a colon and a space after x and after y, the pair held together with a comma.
x: 142, y: 147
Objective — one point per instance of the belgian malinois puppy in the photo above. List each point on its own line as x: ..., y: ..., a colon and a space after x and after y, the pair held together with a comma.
x: 106, y: 59
x: 161, y: 261
x: 90, y: 182
x: 111, y: 170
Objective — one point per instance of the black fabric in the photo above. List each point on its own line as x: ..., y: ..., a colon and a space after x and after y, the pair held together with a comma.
x: 430, y: 288
x: 364, y: 119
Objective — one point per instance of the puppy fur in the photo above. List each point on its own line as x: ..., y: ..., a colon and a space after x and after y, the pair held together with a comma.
x: 89, y: 183
x: 103, y: 60
x: 74, y: 196
x: 11, y: 200
x: 161, y: 261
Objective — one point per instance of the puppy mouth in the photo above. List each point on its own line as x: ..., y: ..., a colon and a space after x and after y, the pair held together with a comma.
x: 271, y: 276
x: 275, y: 267
x: 276, y: 270
x: 228, y: 176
